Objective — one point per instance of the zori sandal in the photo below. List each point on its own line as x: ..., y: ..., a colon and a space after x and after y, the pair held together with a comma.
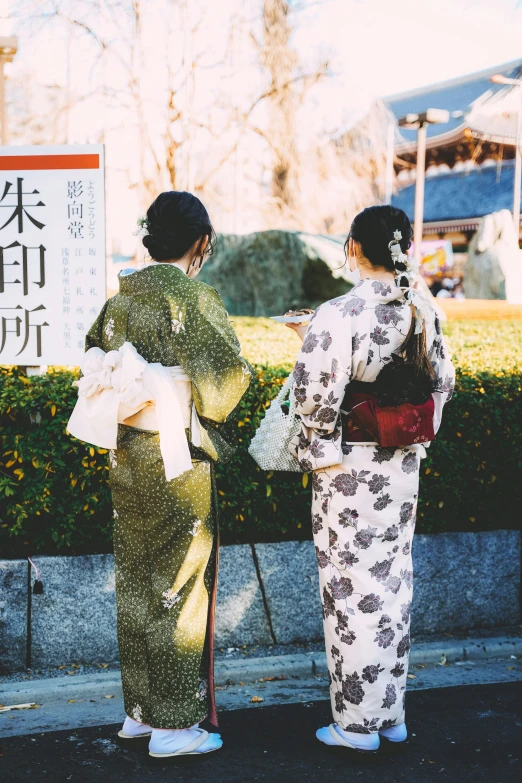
x: 203, y: 743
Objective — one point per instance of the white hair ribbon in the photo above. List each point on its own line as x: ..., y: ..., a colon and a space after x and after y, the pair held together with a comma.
x: 410, y: 272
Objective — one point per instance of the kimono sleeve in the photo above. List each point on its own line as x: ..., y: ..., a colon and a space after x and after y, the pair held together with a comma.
x: 94, y: 337
x: 323, y: 369
x: 209, y: 351
x: 444, y: 371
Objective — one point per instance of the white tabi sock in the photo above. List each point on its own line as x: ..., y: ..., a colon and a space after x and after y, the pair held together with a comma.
x: 133, y: 728
x: 395, y: 733
x: 359, y: 741
x: 364, y: 741
x: 171, y: 740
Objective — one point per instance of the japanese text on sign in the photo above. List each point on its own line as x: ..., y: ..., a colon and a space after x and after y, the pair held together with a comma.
x: 52, y: 252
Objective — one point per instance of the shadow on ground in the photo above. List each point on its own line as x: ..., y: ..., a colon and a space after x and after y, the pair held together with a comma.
x: 460, y: 734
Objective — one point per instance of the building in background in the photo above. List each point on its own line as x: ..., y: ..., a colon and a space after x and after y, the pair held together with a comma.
x: 469, y: 160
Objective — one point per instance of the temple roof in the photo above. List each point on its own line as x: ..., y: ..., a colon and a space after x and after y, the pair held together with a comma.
x: 455, y: 95
x: 462, y: 196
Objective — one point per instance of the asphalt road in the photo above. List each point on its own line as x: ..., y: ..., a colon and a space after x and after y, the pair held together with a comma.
x: 457, y: 735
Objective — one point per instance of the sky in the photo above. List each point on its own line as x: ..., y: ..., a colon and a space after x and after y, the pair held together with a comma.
x: 381, y: 47
x: 374, y: 48
x: 378, y: 47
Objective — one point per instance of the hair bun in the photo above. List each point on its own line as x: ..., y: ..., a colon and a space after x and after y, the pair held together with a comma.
x: 156, y: 250
x: 175, y: 221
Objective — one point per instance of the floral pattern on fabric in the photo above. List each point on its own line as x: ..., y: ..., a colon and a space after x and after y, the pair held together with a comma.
x: 352, y: 338
x: 364, y: 500
x: 363, y: 549
x: 137, y: 713
x: 202, y: 690
x: 109, y: 328
x: 170, y: 598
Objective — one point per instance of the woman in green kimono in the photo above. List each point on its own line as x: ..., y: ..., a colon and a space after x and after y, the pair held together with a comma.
x: 166, y: 534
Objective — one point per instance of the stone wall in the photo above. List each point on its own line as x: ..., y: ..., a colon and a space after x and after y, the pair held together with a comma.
x: 268, y: 593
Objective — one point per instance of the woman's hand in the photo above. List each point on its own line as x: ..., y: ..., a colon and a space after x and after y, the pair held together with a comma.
x: 299, y: 329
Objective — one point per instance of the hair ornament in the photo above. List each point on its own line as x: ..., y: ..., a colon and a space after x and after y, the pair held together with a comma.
x: 410, y: 272
x: 143, y: 227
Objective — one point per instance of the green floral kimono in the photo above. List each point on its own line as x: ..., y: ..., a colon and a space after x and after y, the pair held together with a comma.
x: 166, y: 533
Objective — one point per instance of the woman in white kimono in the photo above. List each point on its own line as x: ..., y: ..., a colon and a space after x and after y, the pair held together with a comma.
x: 377, y: 347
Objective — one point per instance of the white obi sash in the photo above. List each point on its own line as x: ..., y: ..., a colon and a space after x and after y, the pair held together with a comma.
x: 117, y: 385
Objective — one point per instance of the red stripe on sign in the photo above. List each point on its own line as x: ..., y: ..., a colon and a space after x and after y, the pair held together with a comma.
x: 48, y: 162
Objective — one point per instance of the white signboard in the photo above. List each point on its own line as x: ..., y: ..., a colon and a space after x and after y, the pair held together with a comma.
x: 52, y: 251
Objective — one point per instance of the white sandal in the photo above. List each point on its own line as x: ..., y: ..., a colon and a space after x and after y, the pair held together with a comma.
x: 146, y: 734
x: 193, y: 748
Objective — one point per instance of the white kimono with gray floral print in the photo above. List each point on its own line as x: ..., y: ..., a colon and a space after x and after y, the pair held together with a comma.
x: 352, y: 338
x: 364, y: 502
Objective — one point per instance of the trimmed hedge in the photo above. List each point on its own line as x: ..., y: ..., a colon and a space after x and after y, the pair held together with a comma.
x: 54, y: 495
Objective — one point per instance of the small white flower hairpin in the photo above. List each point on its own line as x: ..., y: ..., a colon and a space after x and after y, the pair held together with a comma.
x: 396, y: 250
x: 410, y: 273
x: 142, y: 229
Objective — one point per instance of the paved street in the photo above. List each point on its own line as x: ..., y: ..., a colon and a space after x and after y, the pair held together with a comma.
x: 463, y: 733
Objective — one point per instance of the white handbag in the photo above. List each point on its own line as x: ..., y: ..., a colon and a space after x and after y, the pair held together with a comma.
x: 270, y: 444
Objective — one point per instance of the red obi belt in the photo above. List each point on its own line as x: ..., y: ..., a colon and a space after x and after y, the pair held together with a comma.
x: 390, y: 426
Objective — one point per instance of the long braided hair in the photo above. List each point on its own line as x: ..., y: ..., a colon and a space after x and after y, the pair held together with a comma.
x: 374, y: 230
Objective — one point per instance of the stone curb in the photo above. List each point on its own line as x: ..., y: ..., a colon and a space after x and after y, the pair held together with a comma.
x: 58, y: 687
x: 455, y: 652
x: 466, y: 649
x: 300, y: 665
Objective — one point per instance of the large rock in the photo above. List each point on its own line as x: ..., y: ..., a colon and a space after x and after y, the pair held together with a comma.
x: 13, y: 615
x: 268, y: 272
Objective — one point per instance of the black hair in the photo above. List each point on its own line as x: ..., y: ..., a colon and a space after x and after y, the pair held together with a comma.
x: 373, y: 229
x: 175, y: 220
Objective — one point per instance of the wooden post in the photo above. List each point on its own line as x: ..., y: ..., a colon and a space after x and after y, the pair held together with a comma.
x: 3, y: 128
x: 419, y: 190
x: 8, y: 49
x: 518, y: 169
x: 390, y: 152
